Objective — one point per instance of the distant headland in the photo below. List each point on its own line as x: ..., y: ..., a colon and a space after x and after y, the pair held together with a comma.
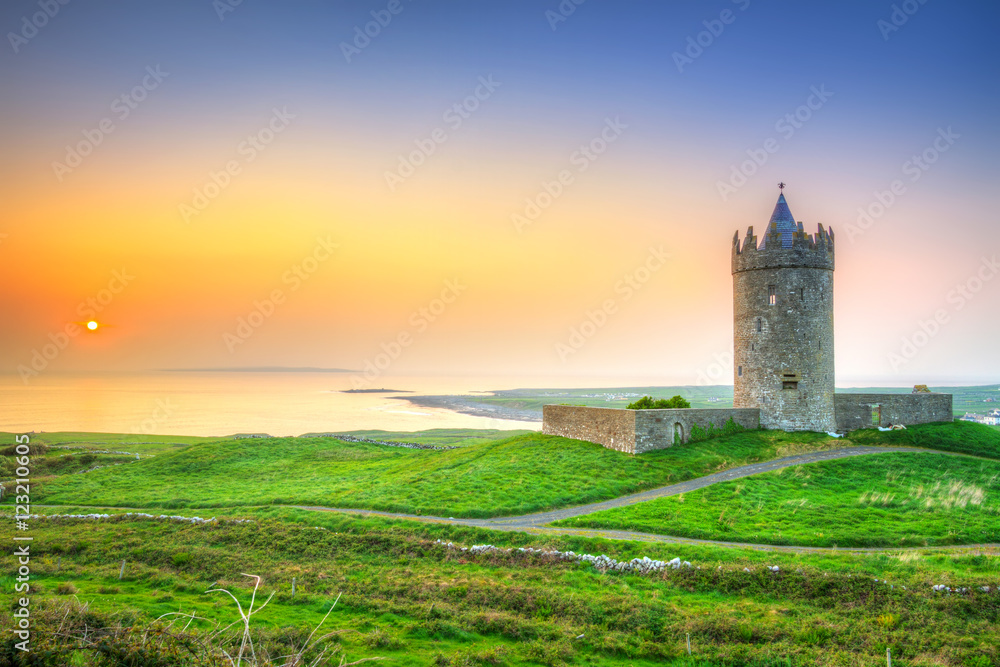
x: 376, y: 391
x: 260, y: 369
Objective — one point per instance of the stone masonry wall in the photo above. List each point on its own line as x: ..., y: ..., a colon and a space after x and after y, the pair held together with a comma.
x: 783, y: 331
x: 637, y: 431
x: 856, y: 411
x: 611, y: 427
x: 654, y: 429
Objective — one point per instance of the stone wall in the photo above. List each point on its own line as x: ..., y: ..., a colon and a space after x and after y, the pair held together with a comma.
x: 637, y: 431
x: 654, y: 429
x: 856, y: 411
x: 612, y: 427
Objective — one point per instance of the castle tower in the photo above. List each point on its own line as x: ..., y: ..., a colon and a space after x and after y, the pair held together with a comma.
x: 783, y: 324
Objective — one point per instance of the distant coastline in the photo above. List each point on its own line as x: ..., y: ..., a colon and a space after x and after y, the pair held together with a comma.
x: 375, y: 391
x: 259, y: 369
x: 467, y: 405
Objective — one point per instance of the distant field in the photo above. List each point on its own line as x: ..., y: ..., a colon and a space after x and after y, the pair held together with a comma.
x: 441, y: 437
x: 966, y: 399
x: 533, y: 399
x: 883, y: 500
x: 514, y: 475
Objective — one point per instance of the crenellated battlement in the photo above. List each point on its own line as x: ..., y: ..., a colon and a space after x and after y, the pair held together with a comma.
x: 780, y: 249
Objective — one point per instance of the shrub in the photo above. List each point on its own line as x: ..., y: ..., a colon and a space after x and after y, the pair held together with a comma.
x: 181, y: 559
x: 649, y: 403
x: 66, y: 588
x: 379, y: 638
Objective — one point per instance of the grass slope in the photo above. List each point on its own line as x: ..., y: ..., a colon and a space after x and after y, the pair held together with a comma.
x: 960, y: 437
x: 892, y: 499
x: 516, y: 475
x: 407, y: 598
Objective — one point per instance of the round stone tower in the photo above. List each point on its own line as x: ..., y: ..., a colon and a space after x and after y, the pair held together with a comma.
x: 783, y: 324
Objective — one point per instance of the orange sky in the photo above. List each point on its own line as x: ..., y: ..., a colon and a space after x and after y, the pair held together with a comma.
x: 322, y: 179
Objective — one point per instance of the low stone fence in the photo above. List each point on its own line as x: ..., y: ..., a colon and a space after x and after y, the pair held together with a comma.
x: 856, y: 411
x: 637, y: 431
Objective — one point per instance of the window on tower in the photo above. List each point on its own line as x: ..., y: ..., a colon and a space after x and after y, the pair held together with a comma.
x: 790, y: 381
x: 772, y: 295
x: 760, y: 324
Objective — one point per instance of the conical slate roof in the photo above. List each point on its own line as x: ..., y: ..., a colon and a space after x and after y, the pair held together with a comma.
x: 785, y: 222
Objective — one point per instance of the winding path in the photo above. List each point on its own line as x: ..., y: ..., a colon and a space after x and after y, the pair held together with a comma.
x: 536, y: 523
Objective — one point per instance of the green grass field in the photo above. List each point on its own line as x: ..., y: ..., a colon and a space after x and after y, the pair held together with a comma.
x: 883, y: 500
x: 411, y: 600
x: 488, y: 476
x: 485, y: 478
x: 960, y: 437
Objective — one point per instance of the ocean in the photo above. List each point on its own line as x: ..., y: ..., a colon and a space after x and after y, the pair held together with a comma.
x: 224, y: 403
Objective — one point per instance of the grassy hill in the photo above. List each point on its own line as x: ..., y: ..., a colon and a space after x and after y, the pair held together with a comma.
x: 515, y: 475
x: 481, y: 478
x: 883, y: 500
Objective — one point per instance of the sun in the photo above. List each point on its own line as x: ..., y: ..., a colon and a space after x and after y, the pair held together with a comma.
x: 92, y: 325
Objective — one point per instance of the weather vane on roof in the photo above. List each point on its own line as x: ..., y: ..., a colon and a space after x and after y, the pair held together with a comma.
x: 781, y: 186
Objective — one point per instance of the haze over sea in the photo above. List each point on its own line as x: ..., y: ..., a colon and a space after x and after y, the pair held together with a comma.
x: 279, y: 403
x: 223, y: 403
